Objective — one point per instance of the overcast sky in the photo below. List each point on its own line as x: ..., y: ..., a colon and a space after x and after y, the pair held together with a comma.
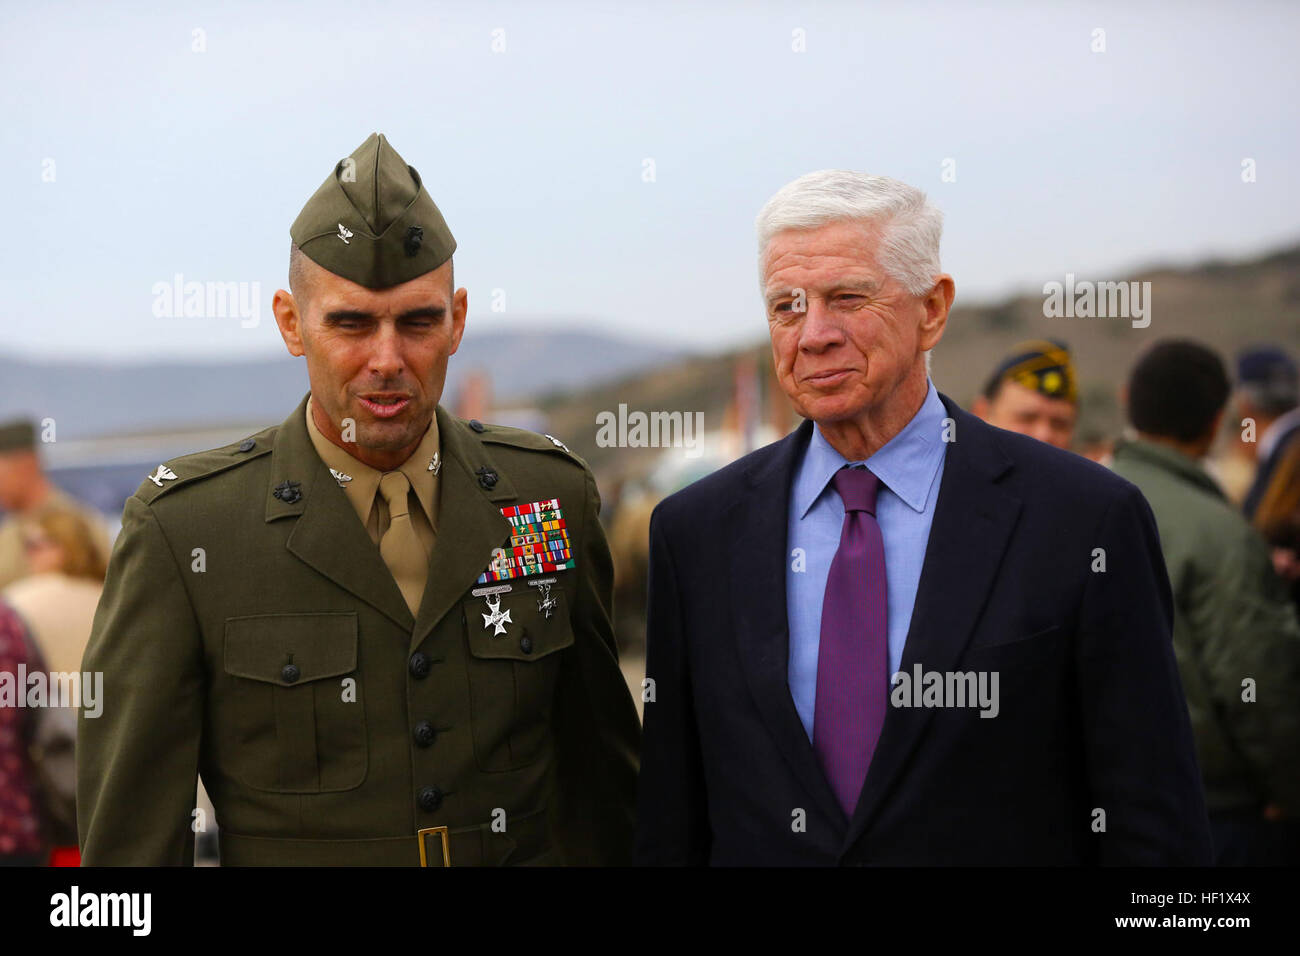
x: 129, y: 156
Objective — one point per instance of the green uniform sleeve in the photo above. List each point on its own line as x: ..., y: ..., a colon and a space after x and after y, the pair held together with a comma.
x: 597, y: 731
x: 137, y: 763
x: 1245, y: 626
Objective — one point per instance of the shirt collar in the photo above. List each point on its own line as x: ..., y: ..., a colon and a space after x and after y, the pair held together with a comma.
x: 906, y: 464
x: 363, y: 487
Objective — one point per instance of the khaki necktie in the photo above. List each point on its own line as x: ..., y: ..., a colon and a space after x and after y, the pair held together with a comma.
x: 400, y: 546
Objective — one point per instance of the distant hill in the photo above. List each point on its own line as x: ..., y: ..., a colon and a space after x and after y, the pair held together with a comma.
x: 93, y: 400
x: 1226, y: 305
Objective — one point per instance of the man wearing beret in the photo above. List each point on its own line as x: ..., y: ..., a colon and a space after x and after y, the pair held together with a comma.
x: 1033, y: 391
x: 380, y: 633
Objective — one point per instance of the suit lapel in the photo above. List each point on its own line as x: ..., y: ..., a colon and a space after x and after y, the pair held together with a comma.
x: 973, y: 520
x: 327, y: 535
x: 758, y: 523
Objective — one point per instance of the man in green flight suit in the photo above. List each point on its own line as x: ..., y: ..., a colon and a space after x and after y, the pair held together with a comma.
x: 380, y: 633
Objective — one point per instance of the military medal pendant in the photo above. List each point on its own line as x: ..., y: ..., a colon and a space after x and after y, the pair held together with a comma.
x: 496, y: 618
x: 545, y: 603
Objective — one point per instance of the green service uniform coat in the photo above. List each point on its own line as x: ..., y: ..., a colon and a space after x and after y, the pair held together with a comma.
x: 1233, y: 620
x: 250, y: 631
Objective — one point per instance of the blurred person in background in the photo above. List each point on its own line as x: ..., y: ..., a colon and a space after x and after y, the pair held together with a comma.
x: 24, y: 487
x: 57, y: 599
x: 1268, y: 391
x: 21, y: 839
x: 1034, y: 391
x: 57, y: 603
x: 1236, y: 635
x: 1278, y: 519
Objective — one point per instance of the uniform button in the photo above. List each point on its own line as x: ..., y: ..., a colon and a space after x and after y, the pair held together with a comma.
x: 419, y: 665
x: 430, y: 798
x: 247, y: 444
x: 424, y: 733
x: 290, y: 673
x: 475, y: 424
x: 526, y: 644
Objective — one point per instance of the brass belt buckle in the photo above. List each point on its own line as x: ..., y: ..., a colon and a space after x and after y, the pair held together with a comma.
x: 446, y: 854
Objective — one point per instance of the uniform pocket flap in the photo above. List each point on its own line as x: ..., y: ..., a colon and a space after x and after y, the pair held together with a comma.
x: 528, y: 635
x: 289, y: 649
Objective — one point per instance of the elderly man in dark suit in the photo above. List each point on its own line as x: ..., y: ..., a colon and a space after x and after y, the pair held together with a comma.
x: 900, y: 635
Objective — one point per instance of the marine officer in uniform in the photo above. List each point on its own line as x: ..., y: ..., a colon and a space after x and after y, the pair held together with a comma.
x: 380, y: 633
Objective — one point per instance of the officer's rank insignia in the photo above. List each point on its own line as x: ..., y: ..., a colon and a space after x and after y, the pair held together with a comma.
x: 287, y: 491
x: 162, y: 474
x: 539, y: 543
x: 345, y: 234
x: 341, y: 478
x: 557, y: 443
x: 495, y: 618
x: 435, y: 463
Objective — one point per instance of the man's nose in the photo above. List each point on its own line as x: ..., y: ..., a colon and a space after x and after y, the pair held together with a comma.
x: 820, y: 328
x: 386, y: 358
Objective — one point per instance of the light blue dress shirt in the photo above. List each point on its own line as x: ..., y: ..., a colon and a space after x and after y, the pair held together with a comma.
x: 910, y: 469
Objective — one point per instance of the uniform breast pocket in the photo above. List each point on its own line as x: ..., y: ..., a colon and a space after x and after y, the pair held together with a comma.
x: 513, y: 669
x: 299, y: 723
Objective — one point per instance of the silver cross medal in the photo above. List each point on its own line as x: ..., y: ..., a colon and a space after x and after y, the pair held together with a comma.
x: 497, y: 619
x: 545, y: 603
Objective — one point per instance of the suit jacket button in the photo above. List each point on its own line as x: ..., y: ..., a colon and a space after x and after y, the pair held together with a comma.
x: 526, y: 644
x: 424, y: 733
x: 419, y: 665
x: 475, y: 424
x: 247, y: 444
x: 430, y: 798
x: 290, y: 673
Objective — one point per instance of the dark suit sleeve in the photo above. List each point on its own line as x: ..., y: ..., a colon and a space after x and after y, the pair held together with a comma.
x: 137, y: 762
x: 672, y: 814
x: 1140, y: 758
x: 597, y: 731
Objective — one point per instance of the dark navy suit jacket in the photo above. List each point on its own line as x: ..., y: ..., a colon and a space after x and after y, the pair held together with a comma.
x: 1090, y: 759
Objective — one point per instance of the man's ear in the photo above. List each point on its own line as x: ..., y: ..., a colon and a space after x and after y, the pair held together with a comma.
x: 459, y: 309
x: 980, y: 408
x: 289, y: 321
x: 937, y: 302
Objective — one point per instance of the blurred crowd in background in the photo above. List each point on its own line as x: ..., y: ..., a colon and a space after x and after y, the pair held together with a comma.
x: 1212, y: 441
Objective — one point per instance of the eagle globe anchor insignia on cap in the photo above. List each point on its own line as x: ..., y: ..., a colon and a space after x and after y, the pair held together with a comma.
x: 372, y: 221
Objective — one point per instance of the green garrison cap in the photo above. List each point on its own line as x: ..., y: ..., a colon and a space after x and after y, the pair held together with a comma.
x: 17, y: 435
x: 372, y: 222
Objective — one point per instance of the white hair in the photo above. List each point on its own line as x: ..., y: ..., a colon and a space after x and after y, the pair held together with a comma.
x: 910, y: 226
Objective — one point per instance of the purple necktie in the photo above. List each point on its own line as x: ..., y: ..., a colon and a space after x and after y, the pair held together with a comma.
x: 853, y: 657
